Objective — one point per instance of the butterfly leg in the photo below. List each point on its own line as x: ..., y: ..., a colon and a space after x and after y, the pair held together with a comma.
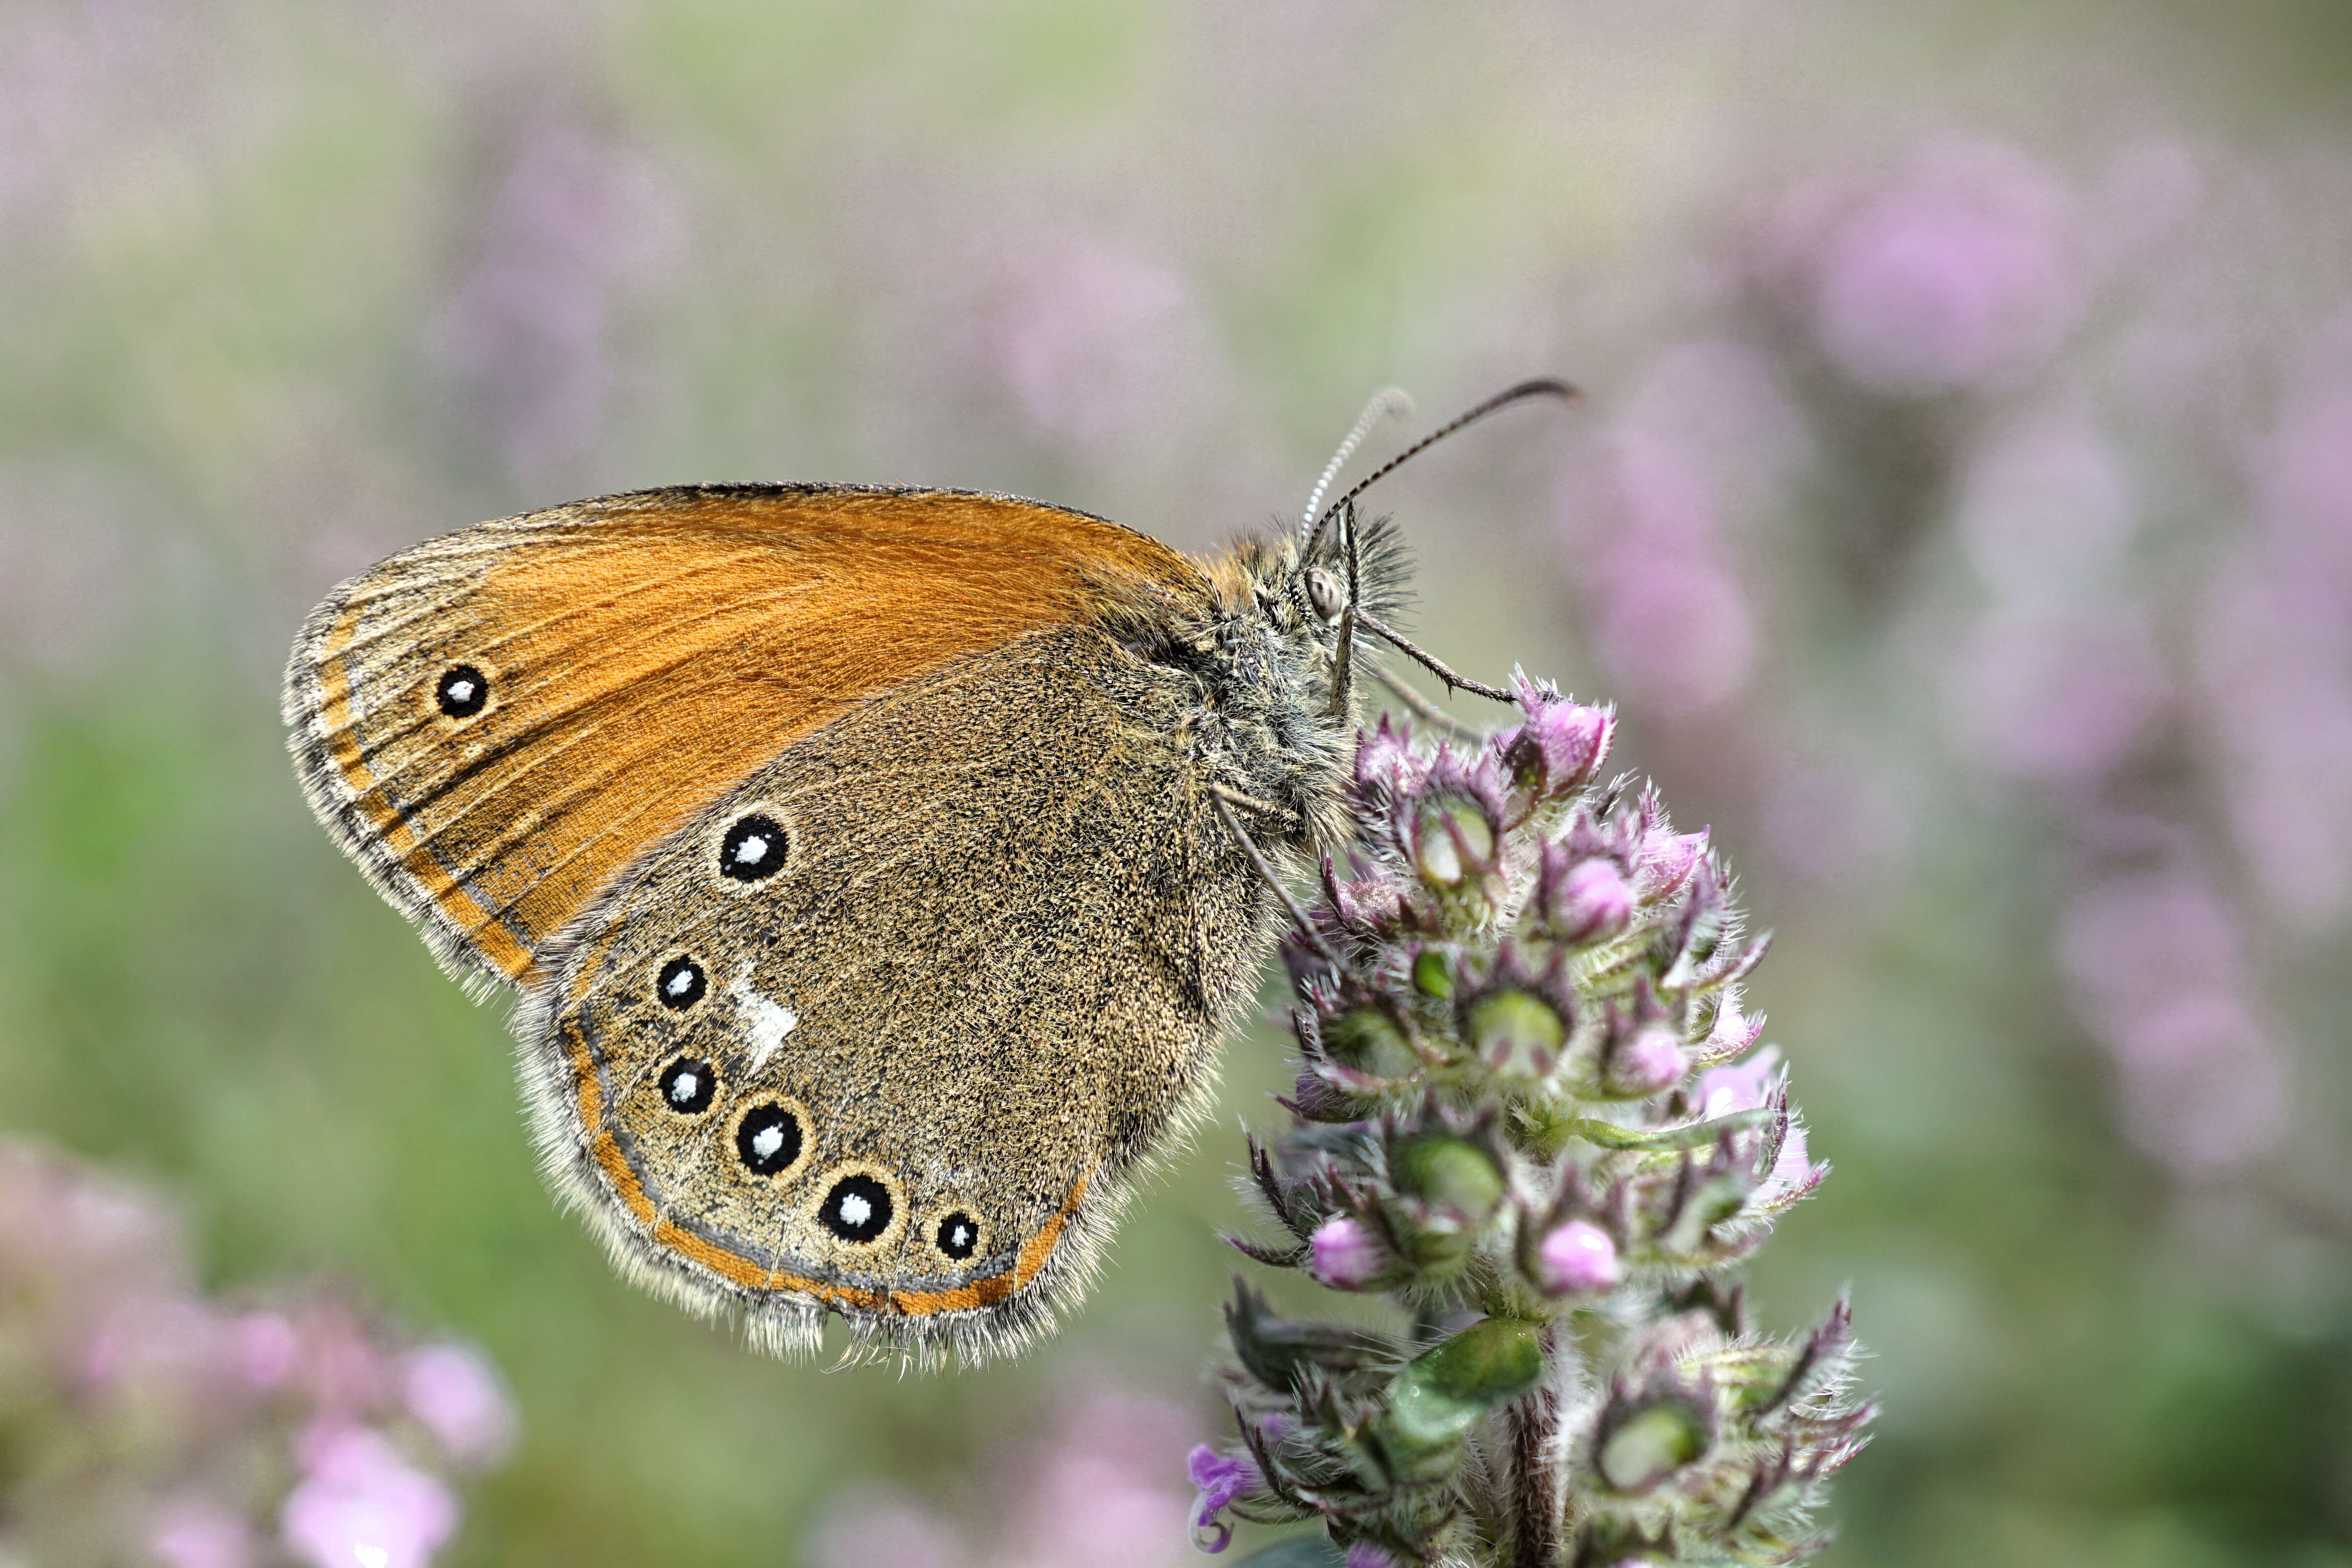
x: 1423, y: 707
x: 1266, y: 872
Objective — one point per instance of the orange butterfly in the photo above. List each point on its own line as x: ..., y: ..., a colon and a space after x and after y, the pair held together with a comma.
x: 871, y: 862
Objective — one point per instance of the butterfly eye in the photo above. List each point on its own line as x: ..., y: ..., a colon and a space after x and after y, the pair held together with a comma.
x: 756, y: 847
x: 768, y: 1139
x: 959, y: 1236
x: 1325, y: 594
x: 679, y: 984
x: 686, y: 1086
x: 462, y: 692
x: 858, y: 1208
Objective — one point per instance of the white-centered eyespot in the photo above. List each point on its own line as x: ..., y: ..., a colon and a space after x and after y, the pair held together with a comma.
x: 957, y: 1236
x: 755, y: 846
x: 769, y: 1139
x: 861, y: 1208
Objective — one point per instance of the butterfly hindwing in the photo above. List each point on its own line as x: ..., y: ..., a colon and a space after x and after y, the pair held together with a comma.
x: 883, y: 1029
x: 497, y: 723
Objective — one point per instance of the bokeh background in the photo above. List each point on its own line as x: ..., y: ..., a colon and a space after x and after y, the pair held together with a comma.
x: 1962, y: 514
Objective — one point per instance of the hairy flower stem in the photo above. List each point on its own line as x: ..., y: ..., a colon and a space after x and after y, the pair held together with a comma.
x: 1534, y: 1419
x: 1531, y: 1113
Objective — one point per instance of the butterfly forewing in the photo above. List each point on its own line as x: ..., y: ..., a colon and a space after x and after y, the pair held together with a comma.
x: 496, y: 723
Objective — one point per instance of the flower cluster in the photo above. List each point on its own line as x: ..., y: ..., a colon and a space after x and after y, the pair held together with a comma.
x: 163, y: 1426
x: 1533, y: 1112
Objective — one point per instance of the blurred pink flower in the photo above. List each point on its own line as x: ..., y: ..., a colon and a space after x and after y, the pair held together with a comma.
x: 883, y: 1530
x: 2052, y: 699
x: 1721, y: 402
x: 1706, y: 441
x: 1831, y: 812
x: 1103, y: 1487
x: 2146, y: 193
x: 2045, y: 511
x: 1671, y: 619
x: 361, y: 1504
x: 2155, y: 962
x: 2276, y: 685
x: 343, y: 1367
x: 2275, y: 657
x: 109, y: 1350
x: 576, y: 221
x: 457, y: 1394
x: 1099, y: 1486
x: 1742, y: 1086
x: 1092, y: 333
x: 89, y: 94
x: 2302, y: 479
x: 145, y: 1344
x: 1960, y: 272
x: 190, y: 1531
x: 267, y: 1348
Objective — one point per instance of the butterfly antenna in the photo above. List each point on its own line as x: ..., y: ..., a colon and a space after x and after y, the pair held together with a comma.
x: 1542, y: 386
x: 1387, y: 401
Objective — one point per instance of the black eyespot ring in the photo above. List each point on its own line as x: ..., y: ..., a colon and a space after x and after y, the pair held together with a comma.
x: 679, y: 984
x: 754, y: 848
x: 462, y: 692
x: 858, y: 1208
x: 768, y: 1140
x: 958, y: 1236
x: 687, y: 1086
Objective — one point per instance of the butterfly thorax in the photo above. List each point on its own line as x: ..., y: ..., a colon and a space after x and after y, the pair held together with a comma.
x: 1267, y: 726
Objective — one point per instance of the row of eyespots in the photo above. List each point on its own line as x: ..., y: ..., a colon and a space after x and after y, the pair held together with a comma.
x: 769, y: 1141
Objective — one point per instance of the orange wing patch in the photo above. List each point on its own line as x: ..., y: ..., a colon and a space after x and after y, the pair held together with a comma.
x: 642, y: 654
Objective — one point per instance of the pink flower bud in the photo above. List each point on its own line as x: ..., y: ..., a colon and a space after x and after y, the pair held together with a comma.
x: 1593, y: 901
x: 1665, y: 861
x: 1652, y: 1061
x: 1560, y: 747
x: 1722, y: 1091
x: 1386, y: 765
x: 1576, y: 1259
x: 1347, y: 1255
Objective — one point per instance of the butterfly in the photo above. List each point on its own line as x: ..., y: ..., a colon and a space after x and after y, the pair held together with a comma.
x: 878, y: 868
